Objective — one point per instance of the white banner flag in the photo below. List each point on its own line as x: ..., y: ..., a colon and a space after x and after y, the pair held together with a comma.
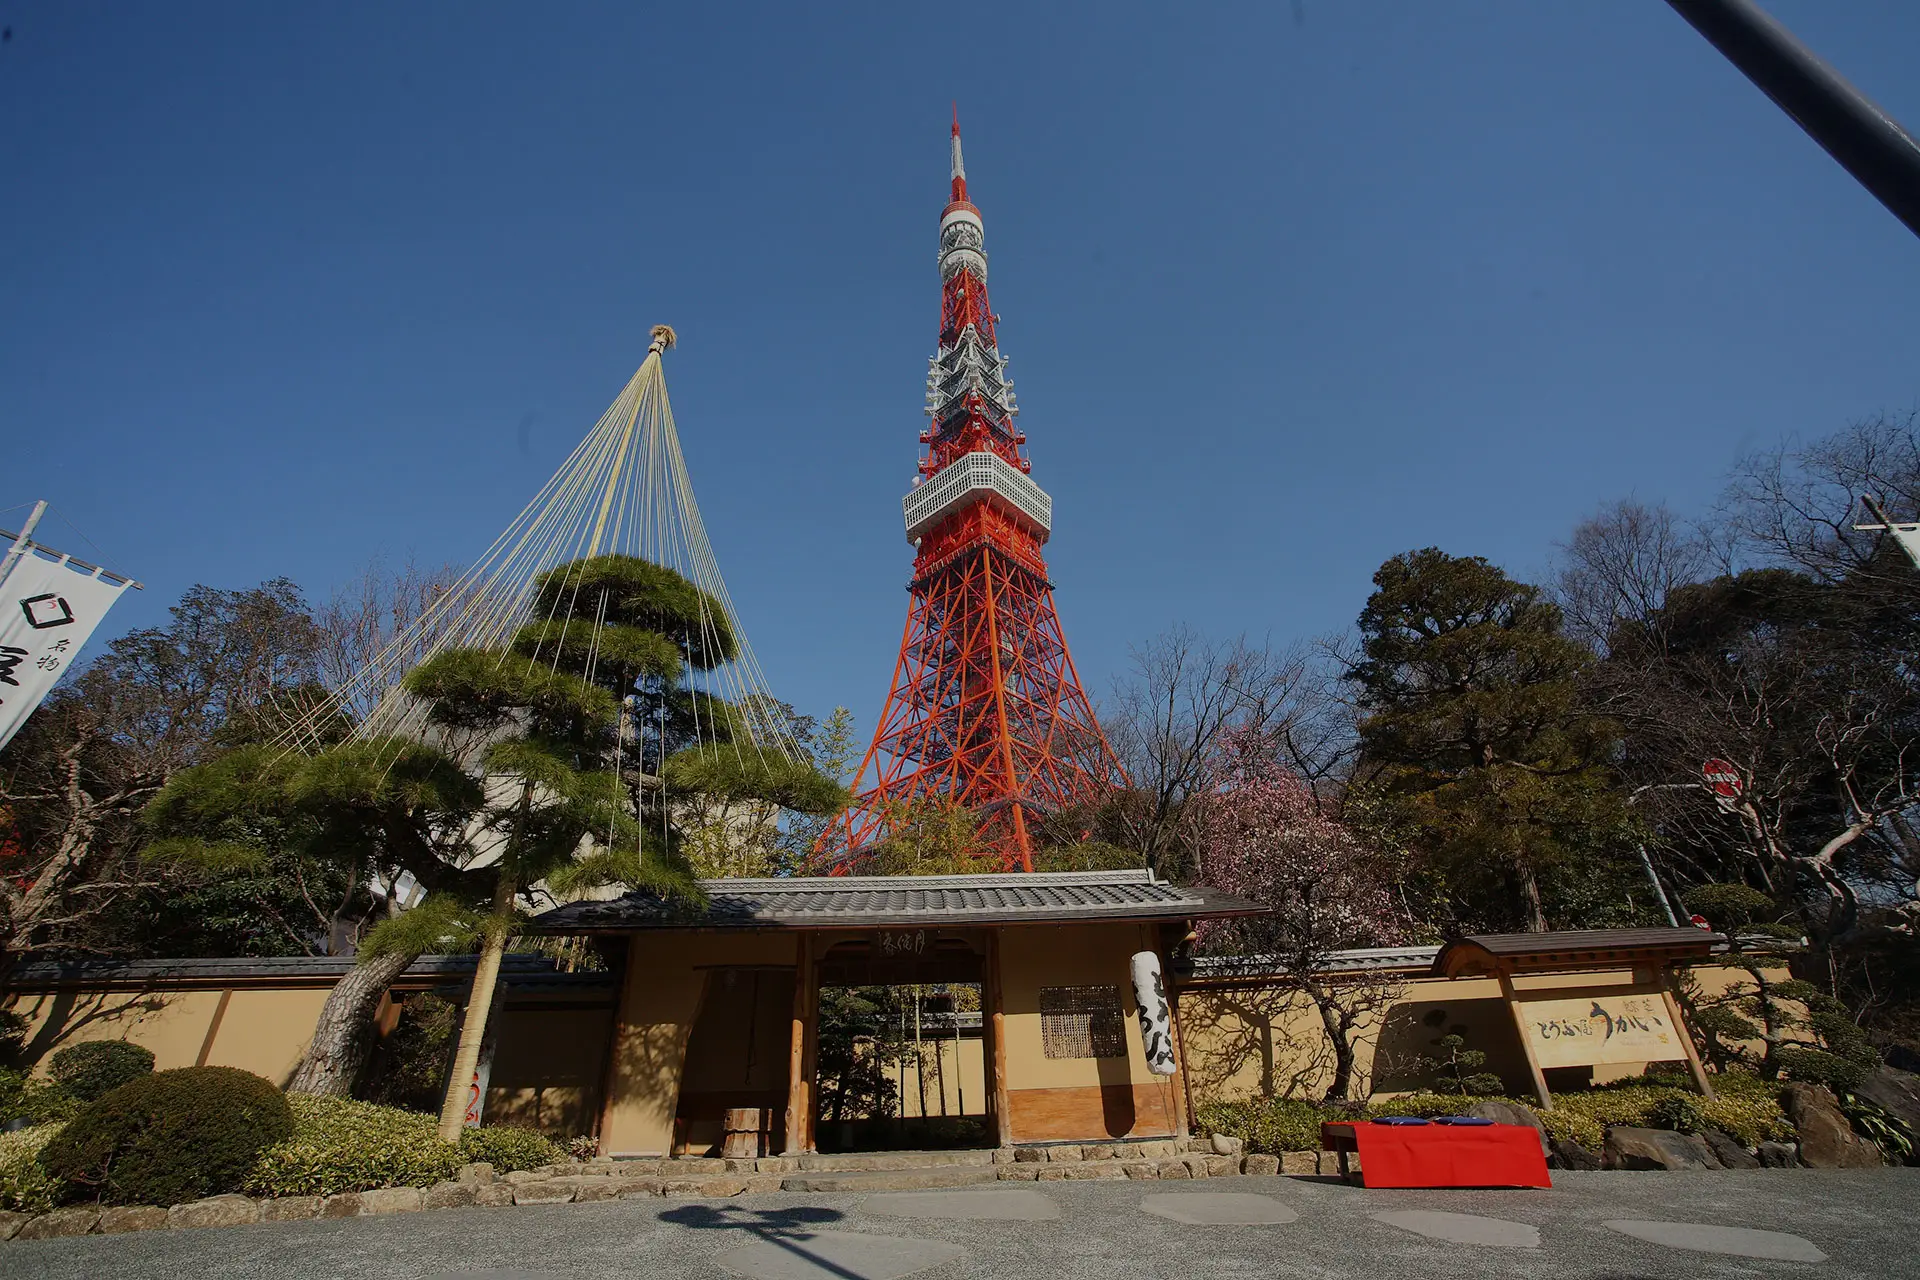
x: 48, y: 608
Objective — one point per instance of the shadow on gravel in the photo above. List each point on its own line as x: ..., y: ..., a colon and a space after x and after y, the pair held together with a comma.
x: 787, y: 1229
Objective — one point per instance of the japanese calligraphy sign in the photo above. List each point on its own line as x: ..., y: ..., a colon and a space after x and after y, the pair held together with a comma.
x: 48, y: 608
x: 1591, y: 1030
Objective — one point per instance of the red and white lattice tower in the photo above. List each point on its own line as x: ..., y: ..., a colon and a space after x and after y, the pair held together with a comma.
x: 986, y: 709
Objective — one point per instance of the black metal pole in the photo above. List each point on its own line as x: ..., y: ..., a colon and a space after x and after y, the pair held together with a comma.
x: 1868, y: 143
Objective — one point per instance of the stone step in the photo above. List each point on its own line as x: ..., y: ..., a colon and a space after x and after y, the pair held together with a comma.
x: 859, y: 1161
x: 861, y: 1180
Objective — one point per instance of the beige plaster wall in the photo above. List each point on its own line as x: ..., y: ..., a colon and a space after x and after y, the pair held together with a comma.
x: 173, y: 1024
x: 547, y: 1068
x: 1260, y: 1042
x: 1037, y: 956
x: 266, y: 1031
x: 659, y: 1001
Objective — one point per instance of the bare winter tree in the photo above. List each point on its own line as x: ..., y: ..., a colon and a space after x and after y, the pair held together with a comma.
x: 1167, y: 718
x: 1621, y: 564
x: 361, y: 620
x: 154, y: 703
x: 1796, y: 504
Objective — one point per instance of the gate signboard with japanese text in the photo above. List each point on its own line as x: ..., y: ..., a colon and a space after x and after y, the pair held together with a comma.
x: 1592, y: 1030
x: 48, y: 608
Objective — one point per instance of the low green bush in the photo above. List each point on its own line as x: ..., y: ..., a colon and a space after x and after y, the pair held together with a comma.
x: 94, y: 1068
x: 1271, y: 1125
x: 25, y: 1184
x: 509, y: 1149
x: 339, y: 1145
x: 1745, y: 1106
x: 169, y: 1137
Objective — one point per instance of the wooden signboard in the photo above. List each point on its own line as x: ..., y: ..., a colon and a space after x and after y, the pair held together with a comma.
x: 1589, y: 1031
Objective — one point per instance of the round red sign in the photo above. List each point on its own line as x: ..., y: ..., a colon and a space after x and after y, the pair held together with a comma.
x: 1722, y: 778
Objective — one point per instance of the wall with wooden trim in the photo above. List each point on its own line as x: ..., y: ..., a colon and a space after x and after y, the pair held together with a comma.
x: 1062, y: 1099
x: 659, y: 1004
x: 1249, y: 1041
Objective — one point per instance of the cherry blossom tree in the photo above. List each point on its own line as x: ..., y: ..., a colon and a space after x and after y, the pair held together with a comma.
x: 1264, y: 837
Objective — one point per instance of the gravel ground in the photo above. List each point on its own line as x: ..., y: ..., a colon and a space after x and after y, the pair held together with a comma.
x: 1862, y: 1220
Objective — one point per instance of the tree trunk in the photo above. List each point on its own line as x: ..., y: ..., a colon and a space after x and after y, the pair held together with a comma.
x: 1338, y: 1033
x: 473, y: 1029
x: 1530, y: 889
x: 343, y: 1037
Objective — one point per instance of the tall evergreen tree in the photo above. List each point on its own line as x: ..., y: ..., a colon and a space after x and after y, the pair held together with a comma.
x: 586, y: 729
x: 1475, y: 728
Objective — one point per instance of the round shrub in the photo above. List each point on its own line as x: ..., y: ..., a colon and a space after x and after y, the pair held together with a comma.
x: 339, y: 1145
x: 169, y: 1137
x: 510, y: 1150
x: 95, y: 1068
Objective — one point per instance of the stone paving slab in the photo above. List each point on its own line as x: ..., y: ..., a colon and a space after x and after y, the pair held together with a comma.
x: 1218, y: 1208
x: 1462, y: 1228
x: 1741, y: 1242
x: 835, y: 1255
x: 972, y: 1206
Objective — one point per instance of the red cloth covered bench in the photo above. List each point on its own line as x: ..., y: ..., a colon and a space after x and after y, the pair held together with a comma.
x: 1441, y: 1155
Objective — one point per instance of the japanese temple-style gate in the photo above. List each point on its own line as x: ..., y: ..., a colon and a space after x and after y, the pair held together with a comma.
x: 718, y: 1007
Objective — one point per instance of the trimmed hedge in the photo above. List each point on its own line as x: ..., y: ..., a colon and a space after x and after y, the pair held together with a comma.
x: 94, y: 1068
x: 169, y: 1137
x: 25, y: 1184
x: 510, y: 1150
x: 339, y: 1145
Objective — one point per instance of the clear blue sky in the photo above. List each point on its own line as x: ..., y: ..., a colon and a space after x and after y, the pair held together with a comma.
x: 1287, y: 287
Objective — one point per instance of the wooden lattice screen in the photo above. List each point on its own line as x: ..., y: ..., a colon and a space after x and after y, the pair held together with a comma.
x: 1082, y: 1022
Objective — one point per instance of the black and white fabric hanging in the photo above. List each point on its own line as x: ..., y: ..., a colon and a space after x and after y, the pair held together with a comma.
x: 1156, y: 1019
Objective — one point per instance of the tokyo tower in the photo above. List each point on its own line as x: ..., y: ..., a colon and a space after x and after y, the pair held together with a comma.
x: 986, y: 710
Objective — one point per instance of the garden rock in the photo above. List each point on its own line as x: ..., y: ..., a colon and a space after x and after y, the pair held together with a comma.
x: 1299, y: 1164
x: 344, y: 1205
x: 1019, y: 1173
x: 1028, y: 1155
x: 1196, y: 1166
x: 214, y: 1211
x: 1222, y: 1166
x: 1159, y: 1149
x: 291, y: 1208
x: 1631, y: 1148
x: 390, y: 1200
x: 1263, y: 1165
x: 713, y: 1188
x: 131, y: 1217
x: 1228, y: 1145
x: 1571, y: 1155
x: 475, y: 1173
x: 11, y: 1222
x: 61, y: 1222
x: 493, y: 1194
x: 1175, y: 1169
x: 634, y: 1188
x: 1140, y: 1170
x: 1827, y: 1140
x: 542, y: 1193
x: 1778, y: 1155
x: 1728, y: 1151
x: 1896, y: 1092
x: 1062, y: 1155
x: 1511, y: 1113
